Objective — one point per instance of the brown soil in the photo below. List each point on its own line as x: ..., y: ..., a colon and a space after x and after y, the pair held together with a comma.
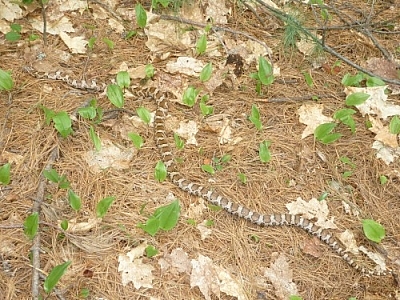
x: 94, y: 254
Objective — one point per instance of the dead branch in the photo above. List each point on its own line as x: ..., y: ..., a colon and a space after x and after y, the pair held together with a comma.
x: 36, y: 240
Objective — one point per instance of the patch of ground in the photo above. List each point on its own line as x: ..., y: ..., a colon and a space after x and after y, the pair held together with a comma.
x: 298, y: 168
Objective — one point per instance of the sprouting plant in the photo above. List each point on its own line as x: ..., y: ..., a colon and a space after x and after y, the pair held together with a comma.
x: 14, y: 34
x: 164, y: 218
x: 201, y: 44
x: 53, y: 176
x: 264, y: 75
x: 190, y: 96
x: 141, y: 16
x: 255, y: 117
x: 62, y: 121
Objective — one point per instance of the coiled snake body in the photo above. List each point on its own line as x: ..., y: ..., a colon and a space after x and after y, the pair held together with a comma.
x: 208, y: 194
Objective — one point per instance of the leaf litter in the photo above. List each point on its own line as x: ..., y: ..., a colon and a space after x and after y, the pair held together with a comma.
x: 209, y: 278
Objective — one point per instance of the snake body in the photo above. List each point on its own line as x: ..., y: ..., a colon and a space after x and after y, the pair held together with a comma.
x: 208, y: 194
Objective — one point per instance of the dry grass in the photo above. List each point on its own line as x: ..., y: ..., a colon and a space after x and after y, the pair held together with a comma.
x: 230, y: 246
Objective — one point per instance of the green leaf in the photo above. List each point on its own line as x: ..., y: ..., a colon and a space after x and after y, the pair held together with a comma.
x: 347, y: 161
x: 323, y: 130
x: 64, y: 224
x: 52, y: 175
x: 130, y: 34
x: 330, y: 138
x: 255, y: 117
x: 323, y: 196
x: 179, y: 143
x: 347, y: 174
x: 136, y: 139
x: 12, y: 36
x: 208, y: 168
x: 91, y: 42
x: 84, y: 293
x: 151, y: 251
x: 31, y: 225
x: 160, y: 171
x: 205, y: 74
x: 103, y: 206
x: 201, y: 44
x: 343, y: 113
x: 168, y: 215
x: 5, y: 174
x: 190, y: 96
x: 394, y: 126
x: 115, y: 95
x: 206, y: 109
x: 63, y: 124
x: 373, y: 230
x: 109, y: 43
x: 149, y: 70
x: 6, y: 82
x: 141, y: 16
x: 74, y: 200
x: 264, y: 152
x: 308, y: 79
x: 374, y: 81
x: 356, y: 98
x: 88, y: 112
x: 294, y: 297
x: 225, y: 158
x: 349, y: 121
x: 48, y: 114
x: 95, y: 138
x: 243, y: 178
x: 383, y: 179
x: 63, y: 183
x: 33, y: 37
x: 265, y: 71
x: 55, y: 275
x: 152, y: 226
x: 349, y: 80
x: 144, y: 114
x: 16, y: 27
x: 123, y: 79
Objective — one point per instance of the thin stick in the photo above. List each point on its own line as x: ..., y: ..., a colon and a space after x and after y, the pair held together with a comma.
x: 285, y: 17
x: 36, y: 240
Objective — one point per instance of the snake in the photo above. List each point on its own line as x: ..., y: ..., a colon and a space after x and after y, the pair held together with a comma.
x: 212, y: 196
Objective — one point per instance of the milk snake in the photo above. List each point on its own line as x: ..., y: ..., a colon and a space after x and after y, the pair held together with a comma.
x: 161, y: 140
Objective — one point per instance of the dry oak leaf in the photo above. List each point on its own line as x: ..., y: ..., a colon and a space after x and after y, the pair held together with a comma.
x: 134, y: 270
x: 382, y: 133
x: 176, y: 262
x: 311, y: 115
x: 212, y: 279
x: 376, y: 104
x: 281, y: 277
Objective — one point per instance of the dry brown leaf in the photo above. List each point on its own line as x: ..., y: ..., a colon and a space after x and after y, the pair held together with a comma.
x: 212, y: 279
x: 382, y: 133
x: 311, y: 115
x: 134, y: 270
x: 312, y: 246
x: 281, y: 277
x: 312, y: 209
x: 376, y: 104
x: 109, y: 156
x: 176, y: 262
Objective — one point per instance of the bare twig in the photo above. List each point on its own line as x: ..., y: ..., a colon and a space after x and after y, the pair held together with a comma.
x: 36, y: 240
x: 284, y: 17
x: 44, y: 22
